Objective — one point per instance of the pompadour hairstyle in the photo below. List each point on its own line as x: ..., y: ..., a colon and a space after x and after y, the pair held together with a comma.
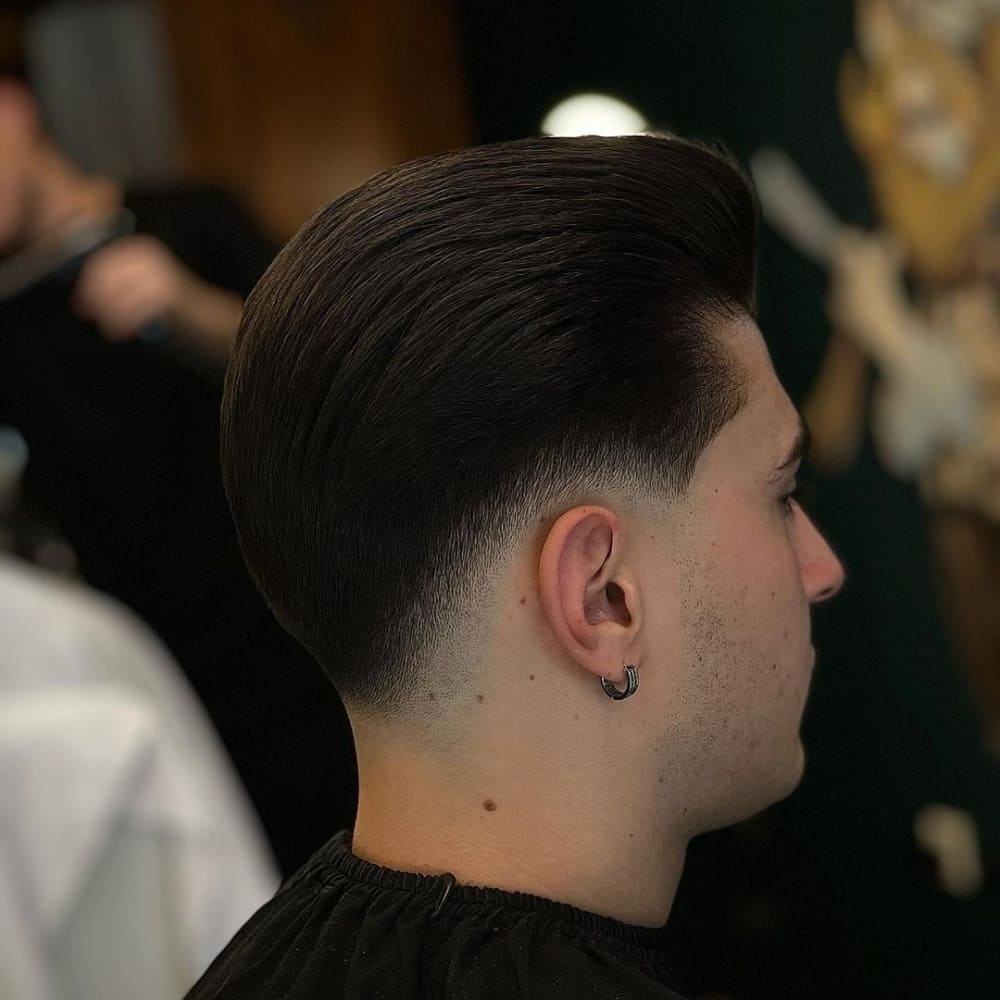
x: 460, y: 347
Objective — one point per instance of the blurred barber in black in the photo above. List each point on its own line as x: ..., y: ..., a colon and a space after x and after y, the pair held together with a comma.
x: 118, y: 308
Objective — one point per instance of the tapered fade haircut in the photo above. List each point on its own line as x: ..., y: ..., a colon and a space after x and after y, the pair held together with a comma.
x: 460, y: 347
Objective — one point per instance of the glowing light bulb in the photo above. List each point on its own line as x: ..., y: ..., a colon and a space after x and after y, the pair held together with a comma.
x: 593, y: 114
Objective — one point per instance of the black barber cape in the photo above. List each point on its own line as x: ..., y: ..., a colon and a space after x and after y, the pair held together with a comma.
x: 343, y: 928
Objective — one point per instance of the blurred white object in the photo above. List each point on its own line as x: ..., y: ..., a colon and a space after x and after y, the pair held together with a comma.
x: 593, y: 114
x: 949, y: 835
x: 129, y: 855
x: 792, y: 206
x: 928, y: 401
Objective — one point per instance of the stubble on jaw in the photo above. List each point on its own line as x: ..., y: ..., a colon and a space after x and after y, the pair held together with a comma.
x: 720, y: 751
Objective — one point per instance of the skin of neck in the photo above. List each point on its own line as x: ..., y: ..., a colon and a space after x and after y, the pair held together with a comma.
x: 551, y: 789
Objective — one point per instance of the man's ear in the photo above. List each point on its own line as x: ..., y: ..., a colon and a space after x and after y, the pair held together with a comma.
x: 588, y: 594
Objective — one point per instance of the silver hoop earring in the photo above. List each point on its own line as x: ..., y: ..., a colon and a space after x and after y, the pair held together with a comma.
x: 631, y: 684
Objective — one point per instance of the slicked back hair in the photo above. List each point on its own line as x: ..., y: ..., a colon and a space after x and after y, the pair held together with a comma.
x: 460, y: 347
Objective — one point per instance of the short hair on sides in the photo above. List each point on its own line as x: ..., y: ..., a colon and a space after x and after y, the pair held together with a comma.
x: 458, y: 348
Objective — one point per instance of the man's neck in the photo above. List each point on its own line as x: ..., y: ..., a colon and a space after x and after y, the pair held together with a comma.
x: 589, y: 849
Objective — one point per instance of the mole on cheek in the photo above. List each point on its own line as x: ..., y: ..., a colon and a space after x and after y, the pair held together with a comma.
x: 479, y: 697
x: 524, y: 600
x: 490, y: 806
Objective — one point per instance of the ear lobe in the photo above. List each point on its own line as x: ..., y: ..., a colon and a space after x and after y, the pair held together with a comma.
x: 589, y: 602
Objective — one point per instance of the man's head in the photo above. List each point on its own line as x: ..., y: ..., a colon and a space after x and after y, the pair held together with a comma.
x: 503, y: 413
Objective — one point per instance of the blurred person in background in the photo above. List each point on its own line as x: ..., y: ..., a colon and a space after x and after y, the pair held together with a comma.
x: 501, y: 438
x: 117, y: 311
x: 136, y: 278
x: 129, y: 853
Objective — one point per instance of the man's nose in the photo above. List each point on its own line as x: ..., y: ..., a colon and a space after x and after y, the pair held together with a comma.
x: 822, y: 571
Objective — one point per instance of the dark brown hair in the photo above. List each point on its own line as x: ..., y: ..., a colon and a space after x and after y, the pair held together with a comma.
x: 459, y: 347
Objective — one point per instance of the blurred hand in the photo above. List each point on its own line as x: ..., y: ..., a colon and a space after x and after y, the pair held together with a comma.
x: 867, y: 299
x: 137, y: 281
x: 130, y: 283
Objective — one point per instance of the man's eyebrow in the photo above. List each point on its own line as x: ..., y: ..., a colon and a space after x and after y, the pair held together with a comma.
x: 798, y: 451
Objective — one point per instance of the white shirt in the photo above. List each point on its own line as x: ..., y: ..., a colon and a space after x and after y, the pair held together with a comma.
x: 129, y: 855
